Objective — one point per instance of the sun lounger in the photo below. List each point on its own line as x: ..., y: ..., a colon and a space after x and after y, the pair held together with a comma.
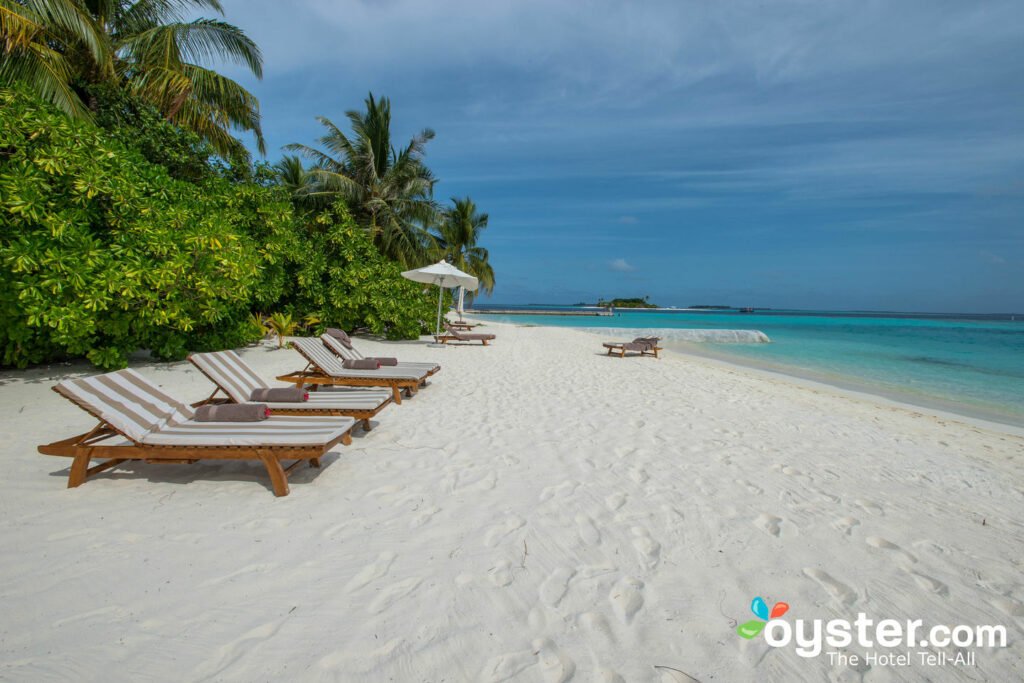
x: 339, y: 349
x: 463, y: 326
x: 160, y: 428
x: 451, y: 334
x: 237, y: 380
x: 325, y: 368
x: 644, y: 346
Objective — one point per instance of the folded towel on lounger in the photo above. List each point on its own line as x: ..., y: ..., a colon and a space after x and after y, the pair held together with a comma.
x: 340, y: 335
x: 384, y: 361
x: 361, y: 364
x: 232, y: 412
x: 279, y: 395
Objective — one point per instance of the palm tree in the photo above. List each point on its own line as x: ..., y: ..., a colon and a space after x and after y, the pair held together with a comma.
x: 390, y: 191
x: 37, y: 38
x: 292, y: 176
x: 457, y: 235
x: 146, y: 46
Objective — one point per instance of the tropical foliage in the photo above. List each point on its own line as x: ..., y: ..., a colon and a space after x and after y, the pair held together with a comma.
x: 146, y: 47
x: 390, y: 191
x: 104, y: 252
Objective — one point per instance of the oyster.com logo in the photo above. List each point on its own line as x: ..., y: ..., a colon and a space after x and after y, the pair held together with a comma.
x: 760, y: 609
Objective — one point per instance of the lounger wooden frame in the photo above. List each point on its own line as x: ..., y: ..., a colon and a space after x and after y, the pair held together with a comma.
x: 621, y: 348
x: 314, y: 379
x: 363, y: 415
x: 451, y: 334
x: 430, y: 373
x: 84, y: 447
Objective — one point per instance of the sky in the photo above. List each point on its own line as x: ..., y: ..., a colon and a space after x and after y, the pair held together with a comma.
x: 815, y: 154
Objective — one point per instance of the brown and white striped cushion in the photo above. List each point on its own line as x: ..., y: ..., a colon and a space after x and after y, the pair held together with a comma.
x: 313, y: 350
x: 146, y: 414
x: 127, y: 401
x: 229, y: 372
x: 236, y: 378
x: 353, y: 354
x: 276, y: 430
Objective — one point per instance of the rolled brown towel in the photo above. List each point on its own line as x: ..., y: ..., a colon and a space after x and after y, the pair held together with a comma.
x: 360, y: 364
x: 340, y: 335
x: 384, y: 361
x: 232, y: 412
x: 279, y: 395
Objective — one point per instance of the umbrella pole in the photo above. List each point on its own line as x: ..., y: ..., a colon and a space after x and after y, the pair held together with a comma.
x: 437, y: 327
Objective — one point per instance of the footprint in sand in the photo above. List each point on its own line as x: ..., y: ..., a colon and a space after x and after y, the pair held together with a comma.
x: 566, y: 488
x: 839, y: 591
x: 929, y: 584
x: 494, y: 536
x: 555, y: 665
x: 627, y: 598
x: 768, y: 524
x: 1009, y: 607
x: 597, y: 626
x: 374, y: 570
x: 845, y: 525
x: 872, y: 508
x: 501, y: 575
x: 615, y: 501
x: 673, y: 515
x: 753, y: 488
x: 507, y: 666
x: 423, y: 517
x: 648, y: 549
x: 886, y: 545
x: 638, y: 474
x: 386, y: 493
x: 606, y: 675
x: 588, y: 533
x: 554, y: 587
x: 392, y: 594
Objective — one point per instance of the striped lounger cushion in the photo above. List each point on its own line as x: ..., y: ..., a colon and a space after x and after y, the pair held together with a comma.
x: 144, y: 413
x: 325, y: 361
x: 234, y: 376
x: 353, y: 354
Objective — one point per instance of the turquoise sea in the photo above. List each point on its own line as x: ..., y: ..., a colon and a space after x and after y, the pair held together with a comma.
x: 967, y: 364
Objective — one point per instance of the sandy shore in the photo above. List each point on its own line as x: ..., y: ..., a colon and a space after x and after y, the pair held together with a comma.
x: 540, y: 512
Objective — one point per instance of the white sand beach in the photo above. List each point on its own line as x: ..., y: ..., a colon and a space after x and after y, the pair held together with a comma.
x: 540, y: 512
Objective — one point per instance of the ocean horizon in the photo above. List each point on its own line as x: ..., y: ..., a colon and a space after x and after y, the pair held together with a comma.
x: 970, y: 364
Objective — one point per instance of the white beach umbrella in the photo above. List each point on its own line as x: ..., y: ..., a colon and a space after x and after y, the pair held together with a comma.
x: 459, y: 306
x: 442, y: 274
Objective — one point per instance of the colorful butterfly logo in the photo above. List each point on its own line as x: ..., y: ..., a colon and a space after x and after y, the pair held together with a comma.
x: 760, y: 610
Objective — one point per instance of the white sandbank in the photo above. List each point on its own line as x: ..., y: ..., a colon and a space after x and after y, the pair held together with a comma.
x: 540, y: 512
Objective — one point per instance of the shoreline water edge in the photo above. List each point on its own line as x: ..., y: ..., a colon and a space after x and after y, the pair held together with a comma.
x: 943, y: 382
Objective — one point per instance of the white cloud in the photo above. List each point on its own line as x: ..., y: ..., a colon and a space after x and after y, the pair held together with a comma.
x: 619, y: 265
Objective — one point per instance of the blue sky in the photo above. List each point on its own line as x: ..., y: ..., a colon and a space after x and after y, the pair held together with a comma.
x: 852, y: 155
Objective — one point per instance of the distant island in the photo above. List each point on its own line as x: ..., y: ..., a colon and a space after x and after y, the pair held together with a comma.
x: 626, y: 303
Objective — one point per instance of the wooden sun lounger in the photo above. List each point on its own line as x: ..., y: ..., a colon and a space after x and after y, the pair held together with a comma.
x: 641, y: 349
x: 324, y: 368
x: 463, y: 326
x: 451, y: 334
x: 338, y: 348
x: 159, y: 428
x: 237, y: 380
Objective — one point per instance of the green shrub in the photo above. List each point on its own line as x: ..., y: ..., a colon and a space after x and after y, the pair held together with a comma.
x: 341, y: 277
x: 104, y: 253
